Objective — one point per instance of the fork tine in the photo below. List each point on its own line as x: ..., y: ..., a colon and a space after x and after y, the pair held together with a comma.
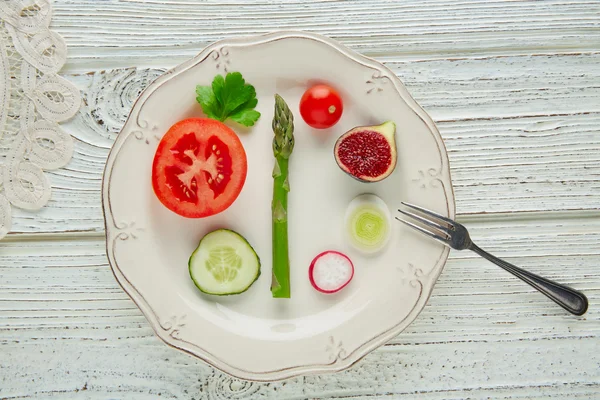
x: 426, y: 221
x: 428, y: 212
x: 425, y: 231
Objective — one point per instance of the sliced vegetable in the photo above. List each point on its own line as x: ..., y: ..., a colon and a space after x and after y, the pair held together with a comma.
x: 330, y: 272
x: 283, y: 144
x: 199, y: 168
x: 224, y: 263
x: 368, y: 153
x: 230, y: 97
x: 368, y: 222
x: 321, y: 106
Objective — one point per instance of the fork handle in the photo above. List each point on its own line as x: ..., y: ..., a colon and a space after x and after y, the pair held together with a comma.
x: 571, y: 300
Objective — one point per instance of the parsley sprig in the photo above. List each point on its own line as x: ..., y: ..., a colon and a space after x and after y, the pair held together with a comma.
x: 229, y: 97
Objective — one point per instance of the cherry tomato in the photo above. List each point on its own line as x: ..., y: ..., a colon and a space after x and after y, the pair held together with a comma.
x: 321, y: 106
x: 199, y: 167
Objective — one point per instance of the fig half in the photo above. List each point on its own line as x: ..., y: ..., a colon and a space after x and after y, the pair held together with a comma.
x: 368, y: 153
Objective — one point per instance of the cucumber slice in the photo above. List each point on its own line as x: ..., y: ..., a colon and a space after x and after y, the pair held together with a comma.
x: 224, y: 263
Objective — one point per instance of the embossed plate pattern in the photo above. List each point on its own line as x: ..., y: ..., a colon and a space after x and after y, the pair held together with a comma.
x: 251, y: 335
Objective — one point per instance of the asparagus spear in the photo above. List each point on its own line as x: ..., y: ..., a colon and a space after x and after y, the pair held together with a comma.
x: 283, y: 144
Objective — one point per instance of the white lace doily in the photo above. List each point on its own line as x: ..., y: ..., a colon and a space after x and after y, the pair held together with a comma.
x: 33, y: 100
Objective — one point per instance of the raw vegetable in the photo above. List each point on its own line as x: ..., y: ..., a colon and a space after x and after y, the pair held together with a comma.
x: 229, y: 98
x: 321, y: 106
x: 368, y: 222
x: 224, y: 263
x: 199, y: 168
x: 283, y: 144
x: 368, y: 153
x: 330, y: 272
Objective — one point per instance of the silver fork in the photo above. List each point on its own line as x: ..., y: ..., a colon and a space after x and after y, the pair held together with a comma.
x: 456, y: 236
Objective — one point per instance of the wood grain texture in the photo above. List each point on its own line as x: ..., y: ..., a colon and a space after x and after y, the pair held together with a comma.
x: 518, y: 140
x: 66, y: 326
x: 514, y: 87
x: 158, y: 31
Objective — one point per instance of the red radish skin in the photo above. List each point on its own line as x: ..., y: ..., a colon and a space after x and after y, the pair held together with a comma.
x: 343, y: 284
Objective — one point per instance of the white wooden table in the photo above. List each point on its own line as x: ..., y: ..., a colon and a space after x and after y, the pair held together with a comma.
x: 514, y: 87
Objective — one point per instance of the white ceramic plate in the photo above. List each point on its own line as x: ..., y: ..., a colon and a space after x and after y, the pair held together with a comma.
x: 252, y: 335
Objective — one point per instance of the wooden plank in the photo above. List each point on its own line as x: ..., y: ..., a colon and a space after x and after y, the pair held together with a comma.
x: 518, y: 139
x: 159, y: 32
x: 68, y: 331
x: 513, y: 88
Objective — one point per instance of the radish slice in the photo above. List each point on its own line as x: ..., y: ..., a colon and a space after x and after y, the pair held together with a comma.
x: 330, y: 271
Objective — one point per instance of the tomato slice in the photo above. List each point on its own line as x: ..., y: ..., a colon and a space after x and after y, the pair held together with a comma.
x: 199, y: 168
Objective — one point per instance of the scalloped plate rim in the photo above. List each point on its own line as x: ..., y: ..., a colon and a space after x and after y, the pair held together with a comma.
x: 196, y: 350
